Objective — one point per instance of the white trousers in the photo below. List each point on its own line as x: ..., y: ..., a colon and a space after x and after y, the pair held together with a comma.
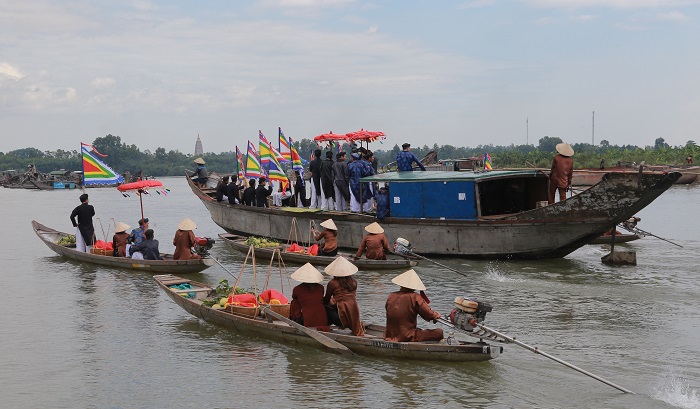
x: 339, y: 199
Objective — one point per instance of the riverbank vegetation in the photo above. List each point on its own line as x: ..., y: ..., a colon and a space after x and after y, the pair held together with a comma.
x: 129, y: 158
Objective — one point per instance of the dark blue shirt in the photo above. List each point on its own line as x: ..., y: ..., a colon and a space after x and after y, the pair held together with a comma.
x: 405, y: 159
x: 149, y: 249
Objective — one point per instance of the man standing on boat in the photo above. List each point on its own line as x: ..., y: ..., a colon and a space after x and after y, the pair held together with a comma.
x: 315, y: 169
x: 85, y: 234
x: 562, y: 172
x: 341, y: 182
x: 405, y: 159
x: 327, y: 182
x: 262, y: 193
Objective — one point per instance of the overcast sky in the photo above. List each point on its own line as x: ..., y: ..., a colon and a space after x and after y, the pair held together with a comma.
x: 159, y: 73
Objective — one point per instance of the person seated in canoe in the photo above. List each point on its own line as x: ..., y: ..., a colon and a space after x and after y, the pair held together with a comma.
x: 201, y: 175
x: 120, y: 238
x: 375, y: 244
x: 184, y: 241
x: 137, y: 235
x: 340, y: 298
x: 403, y: 308
x: 147, y: 249
x: 307, y: 299
x: 329, y: 236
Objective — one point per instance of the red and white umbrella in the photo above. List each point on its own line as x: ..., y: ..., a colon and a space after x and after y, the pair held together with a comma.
x: 141, y: 188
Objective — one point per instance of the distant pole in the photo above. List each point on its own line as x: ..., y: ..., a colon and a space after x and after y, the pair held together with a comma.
x: 527, y: 131
x: 593, y: 130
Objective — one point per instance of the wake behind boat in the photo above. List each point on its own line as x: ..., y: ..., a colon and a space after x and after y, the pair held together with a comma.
x: 372, y: 343
x: 264, y: 253
x: 492, y: 215
x: 51, y: 237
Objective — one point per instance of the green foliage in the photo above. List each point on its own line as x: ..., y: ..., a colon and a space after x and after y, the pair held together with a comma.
x: 122, y: 157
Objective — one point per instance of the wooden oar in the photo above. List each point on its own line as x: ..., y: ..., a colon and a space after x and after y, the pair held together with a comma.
x: 536, y: 350
x: 332, y: 344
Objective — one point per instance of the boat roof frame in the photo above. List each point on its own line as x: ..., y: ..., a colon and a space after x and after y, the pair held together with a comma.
x: 449, y: 176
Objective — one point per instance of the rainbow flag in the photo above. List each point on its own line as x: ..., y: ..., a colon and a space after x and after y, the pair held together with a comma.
x: 487, y: 161
x: 275, y: 172
x: 285, y: 146
x: 297, y: 163
x: 239, y: 164
x: 267, y: 151
x: 96, y: 172
x: 253, y: 168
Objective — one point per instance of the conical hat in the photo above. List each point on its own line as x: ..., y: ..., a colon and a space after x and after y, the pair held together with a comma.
x: 409, y: 279
x: 565, y: 149
x: 329, y: 224
x: 307, y: 274
x: 341, y: 267
x: 199, y: 161
x: 120, y: 227
x: 374, y: 228
x: 186, y: 224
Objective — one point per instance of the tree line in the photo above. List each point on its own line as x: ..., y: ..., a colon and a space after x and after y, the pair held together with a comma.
x: 129, y: 158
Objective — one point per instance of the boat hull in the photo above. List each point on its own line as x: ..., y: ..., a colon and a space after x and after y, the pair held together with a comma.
x: 265, y: 253
x: 547, y: 232
x: 372, y: 345
x: 50, y: 237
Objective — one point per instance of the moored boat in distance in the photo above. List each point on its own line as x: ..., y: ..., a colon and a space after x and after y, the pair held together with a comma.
x: 265, y: 253
x: 51, y: 237
x: 372, y: 344
x: 494, y: 215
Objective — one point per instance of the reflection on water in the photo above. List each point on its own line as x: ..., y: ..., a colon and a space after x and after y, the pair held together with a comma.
x: 78, y: 335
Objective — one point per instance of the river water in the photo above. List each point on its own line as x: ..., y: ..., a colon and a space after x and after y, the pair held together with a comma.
x: 82, y: 336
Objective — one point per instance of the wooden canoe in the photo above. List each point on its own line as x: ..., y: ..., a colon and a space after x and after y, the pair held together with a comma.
x: 265, y: 253
x: 50, y: 237
x: 372, y: 344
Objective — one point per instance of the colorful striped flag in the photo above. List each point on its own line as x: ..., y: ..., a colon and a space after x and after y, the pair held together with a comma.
x: 253, y: 168
x: 239, y: 164
x: 275, y: 172
x: 96, y: 172
x: 487, y: 161
x: 296, y: 161
x: 267, y: 151
x: 285, y: 146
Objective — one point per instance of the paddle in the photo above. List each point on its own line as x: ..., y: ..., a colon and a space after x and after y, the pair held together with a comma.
x: 403, y: 248
x: 332, y: 344
x: 493, y: 334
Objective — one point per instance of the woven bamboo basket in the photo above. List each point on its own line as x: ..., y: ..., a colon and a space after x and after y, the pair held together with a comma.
x: 249, y: 311
x: 281, y: 309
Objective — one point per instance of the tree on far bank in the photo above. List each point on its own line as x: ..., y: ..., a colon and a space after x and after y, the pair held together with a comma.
x: 549, y: 143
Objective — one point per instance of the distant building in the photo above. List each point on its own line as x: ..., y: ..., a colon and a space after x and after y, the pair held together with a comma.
x: 198, y: 151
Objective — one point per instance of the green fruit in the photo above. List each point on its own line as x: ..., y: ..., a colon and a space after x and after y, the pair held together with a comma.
x: 223, y: 301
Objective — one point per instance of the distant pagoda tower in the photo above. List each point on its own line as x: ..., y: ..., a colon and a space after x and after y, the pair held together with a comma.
x: 198, y: 151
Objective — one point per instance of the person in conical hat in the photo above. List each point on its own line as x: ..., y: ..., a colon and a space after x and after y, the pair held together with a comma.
x: 120, y: 239
x: 375, y: 244
x: 341, y: 298
x: 307, y: 306
x: 561, y: 173
x: 403, y: 308
x: 201, y: 175
x: 329, y: 236
x: 184, y: 241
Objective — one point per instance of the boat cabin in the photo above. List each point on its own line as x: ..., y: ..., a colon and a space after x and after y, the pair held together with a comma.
x: 462, y: 195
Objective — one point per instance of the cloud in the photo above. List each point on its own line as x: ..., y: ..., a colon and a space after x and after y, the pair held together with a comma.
x: 103, y: 83
x: 10, y: 71
x: 672, y: 16
x: 615, y: 4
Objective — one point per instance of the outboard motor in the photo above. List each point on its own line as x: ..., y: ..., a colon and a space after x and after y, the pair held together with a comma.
x: 468, y: 312
x: 202, y: 245
x: 402, y: 246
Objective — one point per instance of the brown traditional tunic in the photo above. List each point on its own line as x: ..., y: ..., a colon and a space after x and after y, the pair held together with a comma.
x: 375, y: 246
x: 402, y: 310
x: 307, y: 303
x: 119, y: 243
x: 183, y: 242
x: 330, y: 240
x: 345, y: 300
x: 560, y: 176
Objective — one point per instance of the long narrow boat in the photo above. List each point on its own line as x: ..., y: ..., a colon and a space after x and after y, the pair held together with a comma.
x: 391, y: 263
x: 493, y: 215
x: 589, y: 177
x: 50, y: 237
x: 371, y: 344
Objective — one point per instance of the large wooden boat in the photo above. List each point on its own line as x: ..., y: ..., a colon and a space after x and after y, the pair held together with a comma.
x: 497, y: 214
x: 50, y: 237
x: 589, y: 177
x: 265, y: 253
x: 619, y: 238
x: 372, y: 343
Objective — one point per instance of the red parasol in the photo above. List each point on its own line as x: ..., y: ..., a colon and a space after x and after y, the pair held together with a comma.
x: 326, y: 137
x: 363, y: 135
x: 141, y: 187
